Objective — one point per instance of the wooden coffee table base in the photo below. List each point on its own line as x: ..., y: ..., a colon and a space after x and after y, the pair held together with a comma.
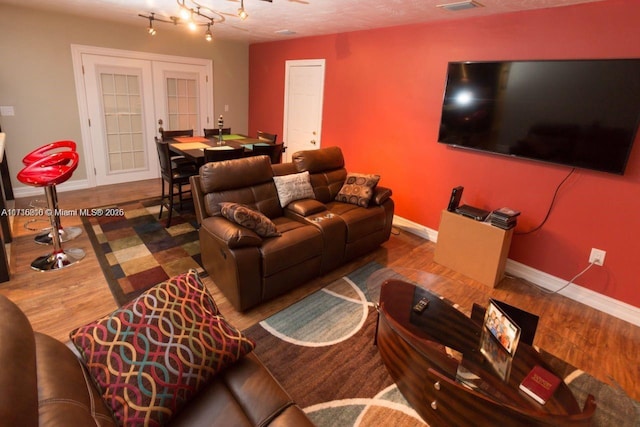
x: 425, y: 374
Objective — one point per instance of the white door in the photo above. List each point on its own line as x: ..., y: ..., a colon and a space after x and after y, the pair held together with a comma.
x: 122, y: 95
x: 182, y: 89
x: 120, y: 107
x: 304, y: 93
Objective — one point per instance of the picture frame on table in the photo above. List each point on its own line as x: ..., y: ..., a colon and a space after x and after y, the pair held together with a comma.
x: 504, y: 330
x: 495, y: 355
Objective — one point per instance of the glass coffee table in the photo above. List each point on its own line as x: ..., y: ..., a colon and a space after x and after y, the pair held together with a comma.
x: 444, y: 366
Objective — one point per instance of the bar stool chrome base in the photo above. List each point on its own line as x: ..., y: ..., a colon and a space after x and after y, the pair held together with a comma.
x: 66, y: 234
x: 57, y: 261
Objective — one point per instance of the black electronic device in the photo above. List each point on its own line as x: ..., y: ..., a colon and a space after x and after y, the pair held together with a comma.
x: 454, y: 201
x: 473, y: 212
x: 421, y: 305
x: 579, y: 113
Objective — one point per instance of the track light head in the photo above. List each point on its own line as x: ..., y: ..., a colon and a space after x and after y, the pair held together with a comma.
x: 241, y: 12
x: 150, y: 29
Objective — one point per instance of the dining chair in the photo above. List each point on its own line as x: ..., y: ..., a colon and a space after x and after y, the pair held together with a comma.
x: 274, y: 151
x: 176, y: 159
x: 168, y: 135
x: 175, y: 175
x: 217, y: 154
x: 267, y: 137
x: 215, y: 132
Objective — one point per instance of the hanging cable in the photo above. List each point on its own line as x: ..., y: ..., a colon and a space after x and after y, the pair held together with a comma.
x: 553, y: 201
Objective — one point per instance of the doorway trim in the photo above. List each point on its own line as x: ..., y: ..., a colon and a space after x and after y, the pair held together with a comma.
x: 78, y: 50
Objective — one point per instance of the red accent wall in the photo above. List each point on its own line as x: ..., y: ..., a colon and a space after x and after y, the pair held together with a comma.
x: 383, y: 93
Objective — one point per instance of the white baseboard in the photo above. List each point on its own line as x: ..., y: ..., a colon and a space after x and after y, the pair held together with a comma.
x: 606, y: 304
x: 28, y: 191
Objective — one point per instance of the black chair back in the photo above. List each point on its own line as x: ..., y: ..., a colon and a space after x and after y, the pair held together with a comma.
x: 273, y: 151
x: 267, y: 137
x: 170, y: 134
x: 214, y: 155
x: 215, y: 132
x: 164, y: 156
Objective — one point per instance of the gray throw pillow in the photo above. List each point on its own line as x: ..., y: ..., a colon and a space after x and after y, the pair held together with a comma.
x: 292, y: 187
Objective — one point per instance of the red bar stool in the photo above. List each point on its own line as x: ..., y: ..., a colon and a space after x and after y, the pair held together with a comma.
x: 48, y: 172
x: 68, y: 233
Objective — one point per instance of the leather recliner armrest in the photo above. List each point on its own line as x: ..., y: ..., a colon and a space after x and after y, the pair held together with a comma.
x: 380, y: 195
x: 306, y: 207
x: 234, y: 235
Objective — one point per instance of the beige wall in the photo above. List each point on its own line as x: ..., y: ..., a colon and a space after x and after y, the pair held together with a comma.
x: 36, y: 74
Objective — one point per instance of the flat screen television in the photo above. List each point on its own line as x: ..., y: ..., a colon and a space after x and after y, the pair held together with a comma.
x: 579, y: 113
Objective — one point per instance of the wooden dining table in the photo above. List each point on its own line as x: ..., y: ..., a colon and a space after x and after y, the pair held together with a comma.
x: 192, y: 147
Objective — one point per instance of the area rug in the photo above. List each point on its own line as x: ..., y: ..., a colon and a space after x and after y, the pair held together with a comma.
x: 136, y: 250
x: 321, y: 350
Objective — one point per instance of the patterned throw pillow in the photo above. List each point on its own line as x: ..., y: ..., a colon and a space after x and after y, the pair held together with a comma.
x: 293, y: 187
x: 152, y: 355
x: 358, y: 189
x: 247, y: 217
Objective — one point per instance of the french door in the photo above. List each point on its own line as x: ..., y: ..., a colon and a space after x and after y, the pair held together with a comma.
x: 119, y: 101
x: 178, y: 86
x: 124, y: 97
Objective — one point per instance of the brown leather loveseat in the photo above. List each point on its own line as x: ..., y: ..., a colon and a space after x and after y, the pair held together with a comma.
x: 315, y: 234
x: 42, y: 383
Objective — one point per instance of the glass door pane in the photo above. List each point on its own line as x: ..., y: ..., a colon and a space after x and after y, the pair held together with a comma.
x: 182, y: 103
x: 122, y: 107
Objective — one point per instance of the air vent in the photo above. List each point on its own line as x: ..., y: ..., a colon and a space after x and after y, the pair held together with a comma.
x: 460, y: 5
x: 286, y: 32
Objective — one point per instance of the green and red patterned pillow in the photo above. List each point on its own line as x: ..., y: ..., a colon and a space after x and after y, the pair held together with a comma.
x: 152, y: 355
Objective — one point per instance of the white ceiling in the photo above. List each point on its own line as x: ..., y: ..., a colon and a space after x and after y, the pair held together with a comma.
x: 304, y: 17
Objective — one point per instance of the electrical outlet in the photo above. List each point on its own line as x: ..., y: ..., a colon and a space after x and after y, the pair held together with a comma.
x: 597, y: 256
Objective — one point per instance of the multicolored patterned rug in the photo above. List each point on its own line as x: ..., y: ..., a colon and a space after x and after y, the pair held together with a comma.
x: 137, y: 251
x: 321, y: 350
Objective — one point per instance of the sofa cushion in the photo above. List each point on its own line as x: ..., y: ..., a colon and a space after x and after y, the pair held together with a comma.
x: 247, y: 217
x: 152, y: 355
x: 293, y: 187
x: 299, y: 243
x: 358, y: 189
x: 360, y: 222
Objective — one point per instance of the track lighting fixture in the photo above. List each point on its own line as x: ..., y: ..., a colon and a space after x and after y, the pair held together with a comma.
x: 194, y: 15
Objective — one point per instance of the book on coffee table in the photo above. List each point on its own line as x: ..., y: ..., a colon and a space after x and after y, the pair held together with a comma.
x: 540, y: 384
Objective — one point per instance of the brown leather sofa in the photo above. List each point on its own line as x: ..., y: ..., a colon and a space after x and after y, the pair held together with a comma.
x: 42, y: 382
x: 317, y: 235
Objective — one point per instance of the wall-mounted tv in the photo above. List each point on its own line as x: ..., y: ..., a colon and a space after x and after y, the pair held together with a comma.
x: 579, y: 113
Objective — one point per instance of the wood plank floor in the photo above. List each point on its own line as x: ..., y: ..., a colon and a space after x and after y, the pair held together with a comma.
x: 57, y: 302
